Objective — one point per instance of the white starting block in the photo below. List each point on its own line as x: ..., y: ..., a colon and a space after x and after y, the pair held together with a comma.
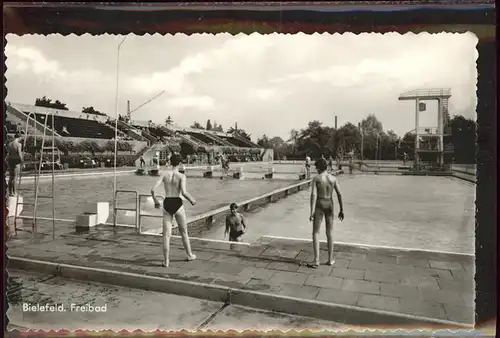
x: 270, y: 173
x: 209, y: 173
x: 239, y: 174
x: 92, y: 215
x: 11, y: 205
x: 86, y: 221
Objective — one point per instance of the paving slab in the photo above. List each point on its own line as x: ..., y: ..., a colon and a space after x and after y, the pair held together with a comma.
x: 352, y: 281
x: 155, y: 310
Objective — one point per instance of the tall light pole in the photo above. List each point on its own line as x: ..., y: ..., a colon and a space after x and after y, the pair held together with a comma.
x: 116, y: 125
x: 362, y: 139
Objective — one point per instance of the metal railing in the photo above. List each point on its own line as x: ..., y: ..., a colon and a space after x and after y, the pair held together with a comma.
x: 448, y: 148
x: 141, y: 215
x: 136, y: 209
x: 428, y: 92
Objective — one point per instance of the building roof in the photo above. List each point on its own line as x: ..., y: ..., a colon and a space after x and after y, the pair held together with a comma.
x: 429, y: 93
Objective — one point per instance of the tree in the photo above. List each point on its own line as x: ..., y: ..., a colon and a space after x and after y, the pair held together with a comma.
x: 47, y: 103
x: 169, y: 121
x: 264, y: 142
x: 348, y: 138
x: 215, y: 125
x: 219, y: 128
x: 276, y: 142
x: 316, y: 140
x: 463, y: 138
x: 392, y: 136
x: 371, y: 125
x: 408, y: 144
x: 92, y: 111
x: 294, y: 138
x: 197, y: 125
x: 209, y: 125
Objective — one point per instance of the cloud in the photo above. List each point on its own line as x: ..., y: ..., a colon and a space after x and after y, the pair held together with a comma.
x: 26, y: 59
x: 199, y: 102
x: 267, y: 83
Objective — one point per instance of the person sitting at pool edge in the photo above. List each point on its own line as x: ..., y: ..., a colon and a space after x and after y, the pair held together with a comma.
x: 323, y: 186
x: 235, y: 224
x: 174, y: 183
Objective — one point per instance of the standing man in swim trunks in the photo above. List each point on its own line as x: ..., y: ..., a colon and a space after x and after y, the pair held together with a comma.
x: 235, y: 224
x: 14, y: 160
x: 323, y: 186
x: 330, y: 163
x: 175, y: 186
x: 308, y: 166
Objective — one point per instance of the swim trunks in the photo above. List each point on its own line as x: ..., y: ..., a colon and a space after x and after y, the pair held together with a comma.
x: 325, y: 205
x: 13, y: 162
x: 234, y: 235
x: 172, y: 204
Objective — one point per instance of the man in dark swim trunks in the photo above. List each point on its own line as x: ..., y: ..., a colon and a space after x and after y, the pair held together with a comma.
x: 235, y: 224
x: 14, y: 160
x: 323, y: 186
x: 175, y: 186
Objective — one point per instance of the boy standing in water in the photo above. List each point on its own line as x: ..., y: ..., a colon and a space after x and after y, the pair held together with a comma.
x: 235, y: 224
x: 323, y: 186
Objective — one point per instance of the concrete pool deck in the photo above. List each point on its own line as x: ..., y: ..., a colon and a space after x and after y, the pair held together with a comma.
x: 367, y: 286
x: 155, y: 309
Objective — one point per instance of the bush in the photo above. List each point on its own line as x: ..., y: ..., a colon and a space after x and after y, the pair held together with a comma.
x: 110, y: 146
x: 174, y: 147
x: 123, y: 146
x: 74, y: 160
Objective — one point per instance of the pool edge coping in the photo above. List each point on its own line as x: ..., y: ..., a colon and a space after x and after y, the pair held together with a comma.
x: 250, y: 298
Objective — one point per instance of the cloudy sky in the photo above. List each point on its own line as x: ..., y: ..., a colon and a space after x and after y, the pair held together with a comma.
x: 269, y: 84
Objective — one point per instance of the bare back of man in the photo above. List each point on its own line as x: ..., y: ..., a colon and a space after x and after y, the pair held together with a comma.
x: 322, y: 206
x: 174, y: 184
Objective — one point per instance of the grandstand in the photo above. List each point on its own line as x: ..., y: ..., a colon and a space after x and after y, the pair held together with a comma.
x: 142, y: 138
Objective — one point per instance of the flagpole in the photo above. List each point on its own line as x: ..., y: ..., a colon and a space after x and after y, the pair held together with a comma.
x: 116, y: 126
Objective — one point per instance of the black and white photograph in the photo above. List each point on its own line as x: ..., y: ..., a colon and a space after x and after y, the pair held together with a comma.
x: 241, y: 182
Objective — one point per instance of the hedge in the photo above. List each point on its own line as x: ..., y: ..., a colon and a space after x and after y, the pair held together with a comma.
x: 73, y: 160
x: 68, y: 146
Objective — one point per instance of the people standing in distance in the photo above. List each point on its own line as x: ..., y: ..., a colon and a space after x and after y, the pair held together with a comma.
x: 308, y: 167
x: 14, y: 160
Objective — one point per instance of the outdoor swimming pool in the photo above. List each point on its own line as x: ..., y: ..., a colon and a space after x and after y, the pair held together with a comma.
x: 434, y: 213
x: 424, y: 212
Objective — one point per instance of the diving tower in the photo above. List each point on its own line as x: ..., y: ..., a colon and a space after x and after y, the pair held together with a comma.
x: 430, y: 142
